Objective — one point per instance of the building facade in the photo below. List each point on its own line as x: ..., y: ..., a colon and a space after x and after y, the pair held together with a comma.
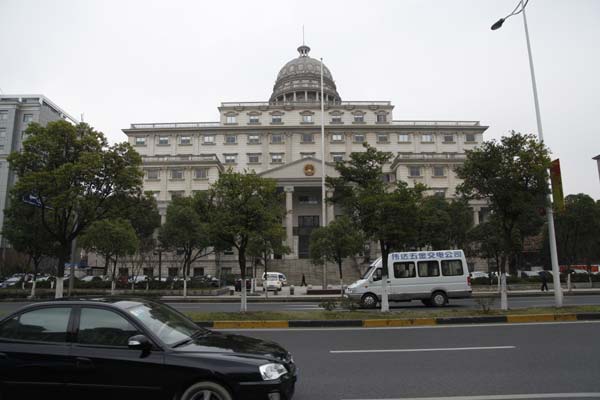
x: 281, y: 139
x: 16, y: 113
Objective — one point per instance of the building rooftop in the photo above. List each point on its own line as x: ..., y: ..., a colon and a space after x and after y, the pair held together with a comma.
x: 39, y: 98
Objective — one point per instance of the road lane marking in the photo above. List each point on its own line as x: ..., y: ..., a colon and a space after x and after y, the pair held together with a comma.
x: 503, y: 397
x: 420, y: 350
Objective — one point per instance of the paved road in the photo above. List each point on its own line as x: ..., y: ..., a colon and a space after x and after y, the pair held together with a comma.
x: 514, y: 302
x: 445, y: 361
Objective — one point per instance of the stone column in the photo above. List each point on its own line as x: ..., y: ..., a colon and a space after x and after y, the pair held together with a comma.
x: 475, y: 216
x: 289, y: 218
x: 330, y: 207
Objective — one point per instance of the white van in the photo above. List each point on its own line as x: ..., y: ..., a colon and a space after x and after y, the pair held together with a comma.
x: 275, y: 276
x: 430, y: 276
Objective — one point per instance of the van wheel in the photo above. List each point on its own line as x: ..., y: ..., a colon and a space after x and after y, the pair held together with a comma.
x: 439, y: 299
x: 369, y: 300
x: 206, y: 391
x: 427, y: 302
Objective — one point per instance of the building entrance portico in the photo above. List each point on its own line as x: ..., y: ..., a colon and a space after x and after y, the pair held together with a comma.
x: 301, y: 182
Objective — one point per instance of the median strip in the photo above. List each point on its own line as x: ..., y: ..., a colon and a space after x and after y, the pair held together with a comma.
x: 422, y: 350
x: 398, y: 322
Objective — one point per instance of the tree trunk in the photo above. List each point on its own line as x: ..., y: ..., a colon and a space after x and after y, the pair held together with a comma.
x: 113, y: 282
x: 242, y: 264
x: 569, y: 282
x: 502, y: 282
x: 263, y: 281
x: 341, y: 278
x: 385, y: 305
x: 36, y: 264
x: 60, y: 276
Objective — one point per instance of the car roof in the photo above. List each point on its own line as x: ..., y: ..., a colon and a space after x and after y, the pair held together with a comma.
x: 122, y: 303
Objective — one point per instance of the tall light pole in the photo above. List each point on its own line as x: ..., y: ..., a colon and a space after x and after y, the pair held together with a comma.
x: 323, y: 192
x: 558, y: 296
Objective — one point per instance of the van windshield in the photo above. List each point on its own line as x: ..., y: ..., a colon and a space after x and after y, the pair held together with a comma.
x: 366, y: 274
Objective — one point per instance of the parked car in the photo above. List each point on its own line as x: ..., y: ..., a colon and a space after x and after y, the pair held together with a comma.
x: 275, y: 275
x: 272, y: 284
x: 91, y: 278
x: 10, y: 282
x: 137, y: 279
x: 135, y: 349
x: 206, y: 280
x: 479, y: 274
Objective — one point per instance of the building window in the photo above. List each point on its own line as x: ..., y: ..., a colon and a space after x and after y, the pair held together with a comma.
x: 152, y: 174
x: 163, y: 140
x: 306, y: 155
x: 231, y: 119
x: 359, y: 118
x: 308, y: 199
x: 359, y: 138
x: 199, y: 271
x: 177, y: 193
x: 470, y: 138
x: 439, y: 192
x: 427, y: 138
x: 414, y: 172
x: 336, y: 119
x: 230, y: 158
x: 173, y: 272
x: 276, y: 119
x: 176, y: 174
x: 154, y: 194
x: 254, y: 158
x: 253, y: 139
x: 276, y: 158
x: 337, y: 137
x: 337, y: 157
x: 381, y: 118
x: 3, y: 115
x: 403, y: 138
x: 254, y: 120
x: 307, y: 119
x: 389, y: 177
x: 276, y: 138
x: 308, y: 138
x: 439, y: 172
x: 201, y: 173
x: 448, y: 138
x: 27, y: 118
x: 2, y: 137
x: 208, y: 139
x: 383, y: 138
x: 185, y: 140
x: 140, y: 141
x: 230, y: 139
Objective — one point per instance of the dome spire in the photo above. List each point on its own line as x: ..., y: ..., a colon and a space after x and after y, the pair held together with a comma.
x: 304, y: 49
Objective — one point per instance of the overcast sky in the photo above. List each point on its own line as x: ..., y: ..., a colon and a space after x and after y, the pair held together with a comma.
x: 122, y: 62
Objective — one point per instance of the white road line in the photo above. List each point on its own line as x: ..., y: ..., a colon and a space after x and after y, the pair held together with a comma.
x: 503, y: 397
x: 420, y: 350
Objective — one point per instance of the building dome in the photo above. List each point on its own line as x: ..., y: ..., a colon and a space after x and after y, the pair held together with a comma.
x: 300, y: 81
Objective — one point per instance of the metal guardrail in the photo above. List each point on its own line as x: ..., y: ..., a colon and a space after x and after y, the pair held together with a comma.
x: 170, y: 125
x: 436, y: 123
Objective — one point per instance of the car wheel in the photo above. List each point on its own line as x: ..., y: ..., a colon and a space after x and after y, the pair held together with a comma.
x: 439, y: 299
x: 206, y: 391
x: 369, y: 300
x: 426, y: 302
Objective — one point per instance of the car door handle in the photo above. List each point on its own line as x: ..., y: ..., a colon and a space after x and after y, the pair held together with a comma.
x: 84, y: 363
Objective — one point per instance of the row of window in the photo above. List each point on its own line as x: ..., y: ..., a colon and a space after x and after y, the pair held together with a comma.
x: 306, y: 118
x: 177, y: 173
x: 27, y: 118
x: 425, y: 269
x: 308, y: 138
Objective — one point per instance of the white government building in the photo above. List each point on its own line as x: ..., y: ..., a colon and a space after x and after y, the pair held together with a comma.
x: 281, y: 139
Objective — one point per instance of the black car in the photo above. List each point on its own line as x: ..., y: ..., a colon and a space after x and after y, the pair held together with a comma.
x: 135, y: 349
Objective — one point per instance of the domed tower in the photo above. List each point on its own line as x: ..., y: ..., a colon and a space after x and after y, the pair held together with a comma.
x: 299, y: 81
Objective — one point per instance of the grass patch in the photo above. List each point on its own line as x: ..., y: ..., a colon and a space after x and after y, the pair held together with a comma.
x: 412, y: 313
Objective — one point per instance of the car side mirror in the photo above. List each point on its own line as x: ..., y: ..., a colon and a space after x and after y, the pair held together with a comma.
x: 139, y: 342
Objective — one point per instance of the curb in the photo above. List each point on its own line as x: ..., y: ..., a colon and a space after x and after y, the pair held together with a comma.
x: 381, y: 323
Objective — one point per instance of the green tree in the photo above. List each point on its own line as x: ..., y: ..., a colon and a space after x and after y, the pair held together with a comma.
x: 577, y: 231
x: 245, y: 206
x: 486, y: 241
x: 187, y: 231
x: 434, y: 223
x: 112, y: 239
x: 24, y: 231
x: 461, y: 222
x: 511, y: 175
x: 335, y: 242
x: 77, y: 178
x: 385, y: 213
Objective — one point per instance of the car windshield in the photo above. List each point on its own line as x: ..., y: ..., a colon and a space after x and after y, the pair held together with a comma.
x: 366, y: 274
x: 170, y: 326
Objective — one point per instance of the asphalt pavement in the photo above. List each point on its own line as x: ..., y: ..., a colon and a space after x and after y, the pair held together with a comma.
x: 493, y: 362
x: 513, y: 302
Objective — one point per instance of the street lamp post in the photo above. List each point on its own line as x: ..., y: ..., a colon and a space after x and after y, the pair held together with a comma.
x: 558, y: 296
